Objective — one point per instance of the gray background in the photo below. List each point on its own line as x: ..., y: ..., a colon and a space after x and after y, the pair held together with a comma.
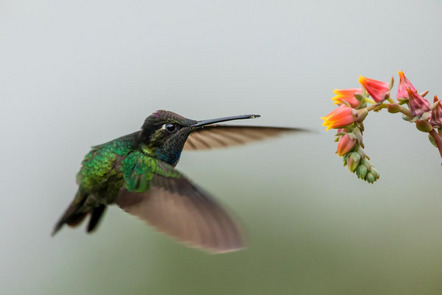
x: 79, y: 73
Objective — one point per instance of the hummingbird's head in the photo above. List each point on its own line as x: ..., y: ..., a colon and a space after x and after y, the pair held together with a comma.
x: 164, y: 133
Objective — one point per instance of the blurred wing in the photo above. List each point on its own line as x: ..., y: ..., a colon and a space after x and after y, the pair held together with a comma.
x: 175, y: 206
x: 219, y: 136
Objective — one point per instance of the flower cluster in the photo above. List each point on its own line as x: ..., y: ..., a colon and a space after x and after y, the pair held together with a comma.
x: 354, y: 104
x: 351, y: 148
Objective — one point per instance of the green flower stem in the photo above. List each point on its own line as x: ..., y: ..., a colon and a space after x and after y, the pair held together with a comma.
x: 369, y: 100
x: 390, y: 100
x: 376, y: 107
x: 406, y: 112
x: 437, y: 140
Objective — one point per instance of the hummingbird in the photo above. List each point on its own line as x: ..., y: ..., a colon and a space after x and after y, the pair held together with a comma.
x: 137, y: 173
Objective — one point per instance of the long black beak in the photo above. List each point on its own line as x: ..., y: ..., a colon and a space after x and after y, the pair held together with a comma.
x: 224, y: 119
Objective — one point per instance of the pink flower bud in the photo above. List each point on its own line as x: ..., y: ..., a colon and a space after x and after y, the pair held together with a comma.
x: 378, y: 90
x: 404, y: 85
x: 436, y: 113
x: 345, y: 144
x: 340, y: 117
x: 418, y: 104
x: 347, y: 95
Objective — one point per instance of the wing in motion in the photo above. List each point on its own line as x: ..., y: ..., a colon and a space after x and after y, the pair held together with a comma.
x: 177, y: 207
x: 219, y: 136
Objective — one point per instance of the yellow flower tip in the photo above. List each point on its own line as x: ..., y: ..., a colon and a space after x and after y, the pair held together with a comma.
x: 326, y: 118
x: 362, y: 79
x: 339, y: 92
x: 327, y: 125
x: 401, y: 74
x: 336, y: 99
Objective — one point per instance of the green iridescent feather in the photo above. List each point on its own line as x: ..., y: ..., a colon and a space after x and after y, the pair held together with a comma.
x: 139, y: 169
x: 102, y: 164
x: 120, y: 160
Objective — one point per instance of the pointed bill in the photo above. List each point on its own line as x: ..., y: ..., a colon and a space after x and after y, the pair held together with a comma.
x: 224, y: 119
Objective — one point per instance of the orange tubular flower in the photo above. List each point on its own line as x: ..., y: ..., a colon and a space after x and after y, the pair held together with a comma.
x: 340, y: 117
x: 345, y: 144
x: 436, y: 114
x: 347, y: 95
x: 418, y: 104
x: 378, y: 90
x: 404, y: 85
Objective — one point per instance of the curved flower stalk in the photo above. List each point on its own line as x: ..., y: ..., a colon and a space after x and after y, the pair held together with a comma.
x: 355, y: 104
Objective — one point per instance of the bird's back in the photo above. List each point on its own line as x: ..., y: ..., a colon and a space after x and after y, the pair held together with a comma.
x: 100, y: 172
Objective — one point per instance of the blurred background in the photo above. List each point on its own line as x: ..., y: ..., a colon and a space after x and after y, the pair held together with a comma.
x: 79, y: 73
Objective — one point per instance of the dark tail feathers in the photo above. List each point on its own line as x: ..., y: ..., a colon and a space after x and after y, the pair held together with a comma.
x: 76, y: 213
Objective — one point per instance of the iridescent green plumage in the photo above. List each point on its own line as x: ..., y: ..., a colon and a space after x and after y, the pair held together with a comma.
x: 137, y: 173
x: 103, y: 163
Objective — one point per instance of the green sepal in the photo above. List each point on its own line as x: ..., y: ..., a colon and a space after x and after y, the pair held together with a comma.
x: 353, y: 161
x: 361, y: 115
x: 433, y: 142
x: 360, y: 97
x: 375, y: 172
x: 366, y: 162
x: 345, y: 158
x: 414, y: 119
x: 391, y: 83
x: 358, y: 134
x: 406, y: 118
x: 370, y: 178
x: 361, y: 171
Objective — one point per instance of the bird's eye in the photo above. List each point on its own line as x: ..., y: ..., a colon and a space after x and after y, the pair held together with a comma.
x: 169, y: 127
